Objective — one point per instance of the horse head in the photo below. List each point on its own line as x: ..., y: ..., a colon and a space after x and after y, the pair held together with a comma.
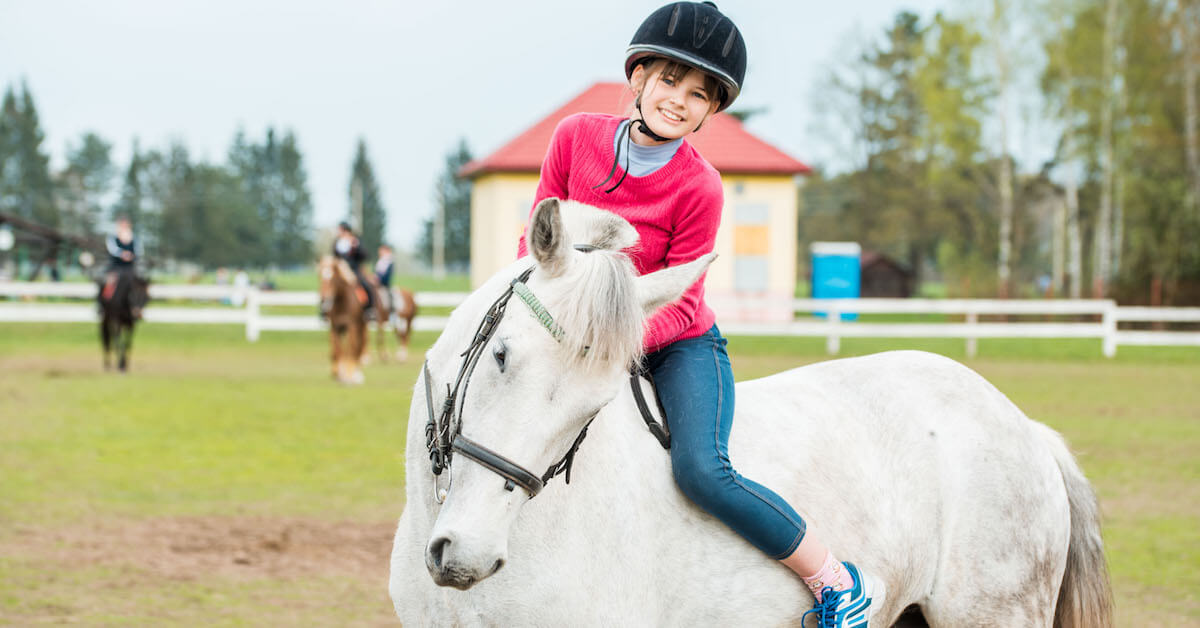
x: 552, y: 350
x: 332, y: 272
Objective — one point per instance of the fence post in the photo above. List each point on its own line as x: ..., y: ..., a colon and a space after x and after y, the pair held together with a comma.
x: 1108, y: 322
x: 972, y: 341
x: 252, y: 315
x: 833, y: 341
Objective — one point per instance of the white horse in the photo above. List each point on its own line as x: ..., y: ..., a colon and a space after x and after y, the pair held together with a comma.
x: 905, y: 462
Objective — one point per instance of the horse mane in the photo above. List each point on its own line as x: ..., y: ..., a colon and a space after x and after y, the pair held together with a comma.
x: 602, y: 314
x: 341, y: 267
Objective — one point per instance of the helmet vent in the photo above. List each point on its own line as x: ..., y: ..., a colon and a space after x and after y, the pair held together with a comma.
x: 704, y: 31
x: 674, y: 21
x: 729, y: 43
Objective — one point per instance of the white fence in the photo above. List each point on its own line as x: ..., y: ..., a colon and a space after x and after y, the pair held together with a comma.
x: 1106, y: 327
x: 247, y: 311
x: 1107, y: 315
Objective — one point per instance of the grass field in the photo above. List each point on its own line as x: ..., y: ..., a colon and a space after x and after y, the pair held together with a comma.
x: 227, y: 483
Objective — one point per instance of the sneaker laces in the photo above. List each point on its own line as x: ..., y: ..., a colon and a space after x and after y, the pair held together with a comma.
x: 826, y: 608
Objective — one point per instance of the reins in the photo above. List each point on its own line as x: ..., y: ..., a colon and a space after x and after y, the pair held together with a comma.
x: 443, y: 433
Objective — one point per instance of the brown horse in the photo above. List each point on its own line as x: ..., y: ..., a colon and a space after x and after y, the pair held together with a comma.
x: 342, y: 307
x: 398, y: 308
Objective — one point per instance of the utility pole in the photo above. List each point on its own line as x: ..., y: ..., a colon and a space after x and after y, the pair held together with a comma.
x: 439, y: 235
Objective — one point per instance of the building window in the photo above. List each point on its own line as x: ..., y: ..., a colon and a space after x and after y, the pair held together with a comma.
x: 751, y: 247
x: 750, y: 273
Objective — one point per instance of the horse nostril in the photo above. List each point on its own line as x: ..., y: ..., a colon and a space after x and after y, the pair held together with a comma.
x: 436, y: 548
x: 498, y: 565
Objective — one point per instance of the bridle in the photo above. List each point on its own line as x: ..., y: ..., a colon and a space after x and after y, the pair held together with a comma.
x: 443, y: 434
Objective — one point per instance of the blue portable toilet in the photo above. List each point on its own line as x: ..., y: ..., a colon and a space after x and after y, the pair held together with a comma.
x: 835, y: 272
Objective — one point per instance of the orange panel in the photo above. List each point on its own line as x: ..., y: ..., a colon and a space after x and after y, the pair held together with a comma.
x: 751, y: 240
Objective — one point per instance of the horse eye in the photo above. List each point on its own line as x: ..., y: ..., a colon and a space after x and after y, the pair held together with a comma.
x: 500, y: 356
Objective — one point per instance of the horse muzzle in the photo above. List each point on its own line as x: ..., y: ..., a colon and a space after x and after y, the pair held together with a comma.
x: 449, y: 568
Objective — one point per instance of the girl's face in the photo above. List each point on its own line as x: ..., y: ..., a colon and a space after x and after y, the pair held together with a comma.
x: 672, y: 106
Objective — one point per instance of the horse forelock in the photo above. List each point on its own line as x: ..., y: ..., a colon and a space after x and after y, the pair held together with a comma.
x: 597, y: 307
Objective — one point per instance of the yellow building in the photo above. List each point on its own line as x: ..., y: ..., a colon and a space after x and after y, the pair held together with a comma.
x: 756, y: 244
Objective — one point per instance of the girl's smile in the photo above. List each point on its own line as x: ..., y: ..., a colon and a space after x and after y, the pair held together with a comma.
x: 673, y: 106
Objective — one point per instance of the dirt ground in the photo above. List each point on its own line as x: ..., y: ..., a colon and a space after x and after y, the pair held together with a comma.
x: 102, y: 572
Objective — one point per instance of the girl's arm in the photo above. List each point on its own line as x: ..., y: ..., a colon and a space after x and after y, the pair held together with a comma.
x: 695, y: 234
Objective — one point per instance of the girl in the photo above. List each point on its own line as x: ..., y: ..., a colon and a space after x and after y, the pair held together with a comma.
x: 347, y: 246
x: 685, y: 63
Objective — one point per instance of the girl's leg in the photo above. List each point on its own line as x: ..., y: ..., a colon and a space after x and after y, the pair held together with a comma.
x: 695, y: 384
x: 694, y: 380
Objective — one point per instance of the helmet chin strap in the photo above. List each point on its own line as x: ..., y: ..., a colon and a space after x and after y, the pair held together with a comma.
x: 645, y: 128
x: 627, y: 137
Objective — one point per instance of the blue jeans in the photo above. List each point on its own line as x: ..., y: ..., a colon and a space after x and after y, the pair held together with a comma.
x: 695, y: 384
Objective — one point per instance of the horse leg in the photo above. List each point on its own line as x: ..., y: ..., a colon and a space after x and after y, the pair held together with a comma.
x: 402, y: 338
x: 335, y: 353
x: 106, y: 341
x: 406, y: 316
x: 123, y: 336
x: 358, y: 350
x: 1007, y: 574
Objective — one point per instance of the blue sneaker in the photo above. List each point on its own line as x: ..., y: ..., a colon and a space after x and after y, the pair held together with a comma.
x: 852, y: 608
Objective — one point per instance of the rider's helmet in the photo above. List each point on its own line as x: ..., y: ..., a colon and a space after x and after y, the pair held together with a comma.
x: 697, y: 34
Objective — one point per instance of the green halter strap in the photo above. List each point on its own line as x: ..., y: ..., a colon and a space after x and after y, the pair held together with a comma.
x: 539, y: 311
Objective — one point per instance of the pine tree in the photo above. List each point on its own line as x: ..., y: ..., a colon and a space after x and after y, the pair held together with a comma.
x: 133, y: 200
x: 275, y: 187
x: 86, y: 180
x: 366, y: 211
x: 453, y: 198
x: 294, y: 230
x: 26, y: 188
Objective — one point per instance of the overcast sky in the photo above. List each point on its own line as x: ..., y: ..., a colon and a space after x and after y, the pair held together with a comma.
x: 410, y: 78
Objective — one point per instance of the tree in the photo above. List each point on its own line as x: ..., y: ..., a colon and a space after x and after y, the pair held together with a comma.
x: 367, y: 213
x: 1187, y: 26
x: 1000, y: 36
x: 294, y: 231
x: 181, y: 233
x: 452, y: 196
x: 86, y: 180
x: 920, y: 195
x: 1062, y: 89
x: 275, y: 185
x: 26, y: 188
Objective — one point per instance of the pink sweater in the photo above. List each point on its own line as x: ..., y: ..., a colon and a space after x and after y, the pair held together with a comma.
x: 675, y: 209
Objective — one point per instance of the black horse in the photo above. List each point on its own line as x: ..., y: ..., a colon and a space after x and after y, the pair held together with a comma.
x: 118, y: 313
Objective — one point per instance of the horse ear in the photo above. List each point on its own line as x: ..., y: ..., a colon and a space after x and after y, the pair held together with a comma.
x: 668, y: 285
x: 547, y: 238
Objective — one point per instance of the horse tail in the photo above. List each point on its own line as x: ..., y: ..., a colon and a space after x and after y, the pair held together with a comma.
x: 1085, y: 596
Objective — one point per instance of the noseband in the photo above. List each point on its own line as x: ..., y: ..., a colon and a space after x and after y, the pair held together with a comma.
x: 443, y: 434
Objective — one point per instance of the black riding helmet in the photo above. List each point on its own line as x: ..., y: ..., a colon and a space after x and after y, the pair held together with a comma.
x: 697, y: 34
x: 693, y: 33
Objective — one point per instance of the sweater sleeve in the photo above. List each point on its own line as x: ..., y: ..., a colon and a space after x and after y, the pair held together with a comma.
x: 695, y: 234
x: 552, y: 182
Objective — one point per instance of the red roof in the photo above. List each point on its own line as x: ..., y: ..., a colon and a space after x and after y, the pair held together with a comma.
x: 723, y: 141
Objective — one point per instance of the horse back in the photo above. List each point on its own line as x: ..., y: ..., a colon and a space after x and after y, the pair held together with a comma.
x: 906, y: 458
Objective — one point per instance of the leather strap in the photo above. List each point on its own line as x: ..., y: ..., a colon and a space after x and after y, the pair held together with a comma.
x: 504, y: 467
x: 662, y: 431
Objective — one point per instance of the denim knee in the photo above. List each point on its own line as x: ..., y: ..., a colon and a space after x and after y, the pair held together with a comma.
x: 700, y: 476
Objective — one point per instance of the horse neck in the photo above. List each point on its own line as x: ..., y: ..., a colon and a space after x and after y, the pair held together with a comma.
x: 619, y: 466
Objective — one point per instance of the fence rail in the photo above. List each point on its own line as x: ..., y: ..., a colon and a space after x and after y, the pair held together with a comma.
x: 1104, y: 316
